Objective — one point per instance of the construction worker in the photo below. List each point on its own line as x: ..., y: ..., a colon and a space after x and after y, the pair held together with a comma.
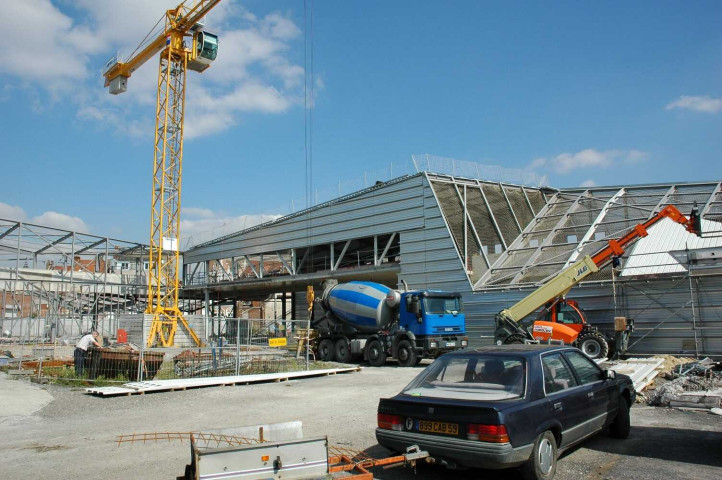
x: 81, y: 350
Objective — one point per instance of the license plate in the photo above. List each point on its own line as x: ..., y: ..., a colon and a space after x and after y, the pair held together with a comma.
x: 438, y: 427
x: 450, y: 344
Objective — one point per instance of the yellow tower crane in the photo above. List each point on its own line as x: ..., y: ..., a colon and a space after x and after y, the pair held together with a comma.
x: 182, y: 44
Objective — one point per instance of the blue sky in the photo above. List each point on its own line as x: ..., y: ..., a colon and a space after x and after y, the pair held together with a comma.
x: 586, y: 93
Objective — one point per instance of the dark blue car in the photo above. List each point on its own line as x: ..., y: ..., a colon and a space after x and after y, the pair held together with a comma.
x: 506, y: 406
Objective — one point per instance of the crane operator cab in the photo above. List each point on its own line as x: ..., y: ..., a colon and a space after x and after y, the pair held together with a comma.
x: 204, y: 51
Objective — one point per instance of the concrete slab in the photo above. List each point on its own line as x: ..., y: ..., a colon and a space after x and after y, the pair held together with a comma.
x: 21, y: 398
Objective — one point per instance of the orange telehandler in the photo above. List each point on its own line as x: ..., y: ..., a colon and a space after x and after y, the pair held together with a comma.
x: 562, y: 319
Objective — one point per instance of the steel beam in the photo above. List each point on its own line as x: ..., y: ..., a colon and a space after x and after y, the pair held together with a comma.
x: 708, y: 205
x: 467, y: 219
x: 514, y: 247
x: 492, y: 216
x: 54, y: 243
x: 9, y: 231
x: 340, y: 257
x: 662, y: 201
x: 593, y: 228
x: 550, y: 237
x: 386, y: 249
x: 511, y: 209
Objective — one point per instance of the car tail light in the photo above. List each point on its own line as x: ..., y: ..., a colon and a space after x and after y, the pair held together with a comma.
x: 487, y: 433
x: 390, y: 422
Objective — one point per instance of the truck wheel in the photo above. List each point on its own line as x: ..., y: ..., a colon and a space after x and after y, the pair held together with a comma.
x: 343, y: 352
x: 376, y: 353
x: 593, y: 345
x: 406, y: 354
x: 543, y: 461
x: 325, y: 350
x: 514, y: 339
x: 620, y: 426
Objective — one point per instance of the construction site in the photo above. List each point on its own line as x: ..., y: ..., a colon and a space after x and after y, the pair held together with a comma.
x: 113, y: 352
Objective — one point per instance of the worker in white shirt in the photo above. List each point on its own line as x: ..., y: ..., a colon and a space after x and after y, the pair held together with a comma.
x: 81, y: 350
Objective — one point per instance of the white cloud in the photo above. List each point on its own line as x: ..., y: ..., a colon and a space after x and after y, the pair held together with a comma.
x: 62, y: 221
x: 46, y: 219
x: 59, y: 49
x: 588, y: 183
x: 200, y: 225
x: 194, y: 212
x: 11, y: 212
x: 566, y: 162
x: 704, y: 104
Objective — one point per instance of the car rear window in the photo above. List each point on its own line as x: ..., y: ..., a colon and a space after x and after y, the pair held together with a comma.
x: 471, y: 377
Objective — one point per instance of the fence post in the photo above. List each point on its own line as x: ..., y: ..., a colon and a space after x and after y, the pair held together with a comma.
x: 140, y: 360
x: 308, y: 340
x: 238, y: 346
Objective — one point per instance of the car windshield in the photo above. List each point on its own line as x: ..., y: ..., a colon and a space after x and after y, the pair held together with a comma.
x: 442, y: 305
x: 471, y: 377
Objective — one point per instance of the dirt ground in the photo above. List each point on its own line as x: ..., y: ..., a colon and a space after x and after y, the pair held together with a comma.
x: 61, y: 433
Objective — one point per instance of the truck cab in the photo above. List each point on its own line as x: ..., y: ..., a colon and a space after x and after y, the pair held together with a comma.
x: 434, y: 320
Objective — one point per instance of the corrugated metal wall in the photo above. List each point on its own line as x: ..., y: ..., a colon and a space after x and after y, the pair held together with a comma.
x: 429, y: 259
x: 664, y: 310
x: 393, y: 207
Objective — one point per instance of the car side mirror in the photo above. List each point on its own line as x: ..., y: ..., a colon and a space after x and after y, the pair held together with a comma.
x: 610, y: 374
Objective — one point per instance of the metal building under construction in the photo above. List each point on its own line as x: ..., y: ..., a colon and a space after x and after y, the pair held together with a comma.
x: 494, y: 243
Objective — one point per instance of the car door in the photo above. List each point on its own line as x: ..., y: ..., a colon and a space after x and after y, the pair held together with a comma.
x: 599, y: 390
x: 568, y: 401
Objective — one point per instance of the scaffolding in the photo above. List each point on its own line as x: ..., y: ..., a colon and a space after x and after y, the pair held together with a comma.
x: 59, y: 283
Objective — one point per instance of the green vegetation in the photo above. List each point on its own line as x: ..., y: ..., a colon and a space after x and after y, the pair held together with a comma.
x: 66, y: 376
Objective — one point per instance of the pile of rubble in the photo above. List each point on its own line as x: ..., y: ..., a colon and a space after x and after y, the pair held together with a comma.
x: 692, y: 385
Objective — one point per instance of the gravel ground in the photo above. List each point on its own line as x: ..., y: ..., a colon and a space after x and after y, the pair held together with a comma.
x: 72, y: 437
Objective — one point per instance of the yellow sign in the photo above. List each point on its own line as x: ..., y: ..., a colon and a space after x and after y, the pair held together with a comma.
x: 277, y: 342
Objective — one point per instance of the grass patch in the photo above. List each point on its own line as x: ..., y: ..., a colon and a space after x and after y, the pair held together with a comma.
x: 66, y: 376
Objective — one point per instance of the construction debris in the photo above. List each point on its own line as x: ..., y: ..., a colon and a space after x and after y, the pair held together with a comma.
x: 695, y: 384
x: 642, y: 371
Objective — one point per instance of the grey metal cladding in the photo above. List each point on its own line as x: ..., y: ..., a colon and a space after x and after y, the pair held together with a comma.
x: 665, y: 321
x: 393, y: 208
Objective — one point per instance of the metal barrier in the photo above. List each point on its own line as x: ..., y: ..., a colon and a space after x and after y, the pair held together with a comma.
x: 230, y: 347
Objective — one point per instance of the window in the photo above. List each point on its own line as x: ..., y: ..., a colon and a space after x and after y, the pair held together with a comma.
x: 587, y: 371
x: 557, y: 376
x: 442, y: 305
x: 567, y: 314
x: 471, y: 377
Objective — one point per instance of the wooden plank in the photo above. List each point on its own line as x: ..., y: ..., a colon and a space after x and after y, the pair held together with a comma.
x: 182, y: 384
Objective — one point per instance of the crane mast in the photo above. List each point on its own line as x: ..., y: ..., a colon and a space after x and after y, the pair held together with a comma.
x: 175, y: 58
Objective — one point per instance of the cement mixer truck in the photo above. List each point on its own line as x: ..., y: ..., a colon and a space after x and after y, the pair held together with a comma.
x: 374, y: 322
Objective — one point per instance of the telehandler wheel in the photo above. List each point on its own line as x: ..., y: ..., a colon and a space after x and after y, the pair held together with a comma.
x: 325, y: 350
x: 406, y: 354
x: 512, y: 339
x: 593, y: 345
x: 343, y: 352
x: 376, y: 353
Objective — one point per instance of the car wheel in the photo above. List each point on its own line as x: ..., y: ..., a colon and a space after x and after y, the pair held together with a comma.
x: 593, y: 345
x: 376, y: 353
x: 325, y: 350
x: 543, y: 461
x: 620, y: 426
x: 514, y: 339
x: 343, y: 352
x: 406, y: 354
